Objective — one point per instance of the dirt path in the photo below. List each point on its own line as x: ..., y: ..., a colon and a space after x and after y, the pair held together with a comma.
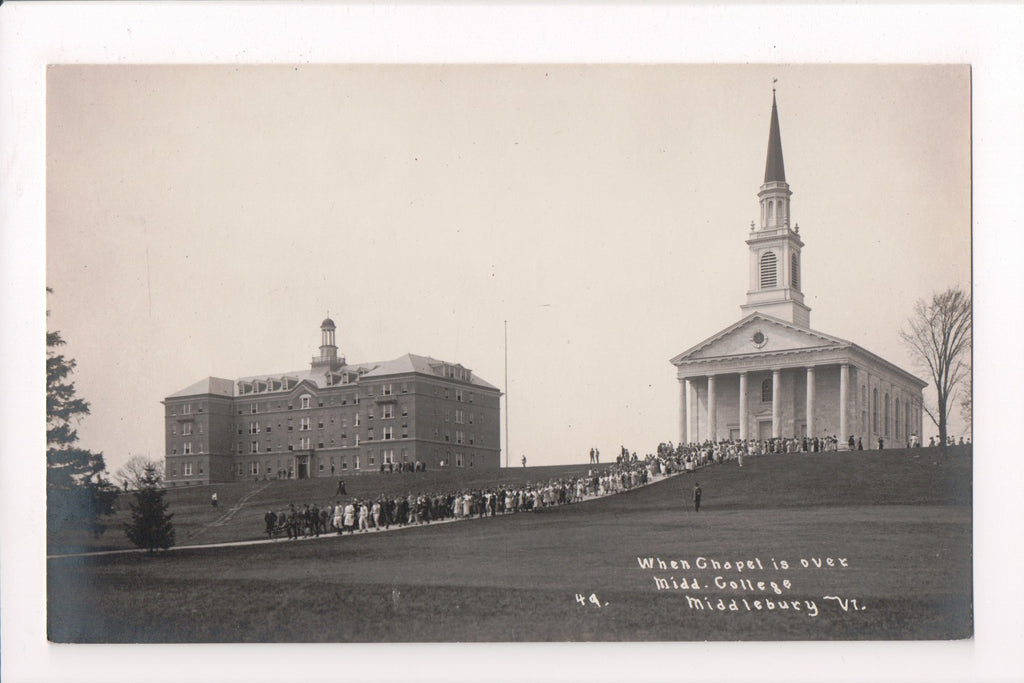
x: 229, y: 513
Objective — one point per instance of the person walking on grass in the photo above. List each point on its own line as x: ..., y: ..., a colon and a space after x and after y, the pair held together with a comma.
x: 696, y: 496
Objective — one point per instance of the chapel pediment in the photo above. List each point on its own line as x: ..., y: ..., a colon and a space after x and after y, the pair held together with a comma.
x: 759, y: 334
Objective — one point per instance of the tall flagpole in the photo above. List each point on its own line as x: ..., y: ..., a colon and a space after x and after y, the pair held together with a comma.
x: 506, y: 394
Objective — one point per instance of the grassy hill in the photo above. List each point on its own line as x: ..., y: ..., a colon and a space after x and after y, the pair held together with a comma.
x: 897, y: 526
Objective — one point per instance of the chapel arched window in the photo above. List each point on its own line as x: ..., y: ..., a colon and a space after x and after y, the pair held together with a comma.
x: 896, y: 417
x: 887, y: 414
x: 874, y: 410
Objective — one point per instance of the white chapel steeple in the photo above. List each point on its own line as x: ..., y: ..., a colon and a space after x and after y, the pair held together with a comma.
x: 774, y: 244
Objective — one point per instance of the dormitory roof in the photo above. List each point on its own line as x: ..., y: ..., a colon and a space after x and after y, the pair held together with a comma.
x: 408, y: 363
x: 210, y: 385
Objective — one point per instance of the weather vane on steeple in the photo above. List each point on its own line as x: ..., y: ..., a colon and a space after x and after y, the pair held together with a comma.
x: 774, y: 81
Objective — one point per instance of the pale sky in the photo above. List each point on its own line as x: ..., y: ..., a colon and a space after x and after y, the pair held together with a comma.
x: 203, y: 221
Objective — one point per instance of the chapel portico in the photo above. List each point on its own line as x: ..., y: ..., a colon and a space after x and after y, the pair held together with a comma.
x: 770, y: 375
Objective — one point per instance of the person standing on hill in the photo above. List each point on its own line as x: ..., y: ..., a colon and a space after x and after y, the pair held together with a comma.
x: 270, y: 520
x: 696, y: 496
x: 349, y: 519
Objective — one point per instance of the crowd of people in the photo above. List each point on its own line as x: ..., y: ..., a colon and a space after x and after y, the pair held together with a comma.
x: 383, y: 512
x: 692, y: 456
x: 629, y: 471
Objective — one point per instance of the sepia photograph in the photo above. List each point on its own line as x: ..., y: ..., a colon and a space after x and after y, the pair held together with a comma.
x: 480, y: 353
x: 316, y: 274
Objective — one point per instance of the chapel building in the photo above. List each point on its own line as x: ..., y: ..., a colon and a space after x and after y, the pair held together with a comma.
x: 332, y: 419
x: 770, y: 375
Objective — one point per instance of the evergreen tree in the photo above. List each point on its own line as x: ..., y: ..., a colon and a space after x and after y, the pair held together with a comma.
x: 150, y: 527
x: 77, y: 493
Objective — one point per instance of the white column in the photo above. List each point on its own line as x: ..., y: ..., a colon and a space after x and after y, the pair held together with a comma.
x: 683, y: 383
x: 691, y: 410
x: 776, y: 404
x: 844, y: 384
x: 810, y: 402
x: 712, y: 412
x: 743, y: 406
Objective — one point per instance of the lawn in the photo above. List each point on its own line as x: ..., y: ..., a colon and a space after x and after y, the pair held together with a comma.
x: 896, y: 525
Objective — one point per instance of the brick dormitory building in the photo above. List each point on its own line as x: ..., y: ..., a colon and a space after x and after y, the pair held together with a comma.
x: 332, y: 419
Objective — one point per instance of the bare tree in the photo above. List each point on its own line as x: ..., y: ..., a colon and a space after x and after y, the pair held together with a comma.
x: 133, y: 473
x: 940, y: 337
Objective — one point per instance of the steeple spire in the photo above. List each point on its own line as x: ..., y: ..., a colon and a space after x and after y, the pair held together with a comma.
x: 774, y: 169
x: 775, y: 285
